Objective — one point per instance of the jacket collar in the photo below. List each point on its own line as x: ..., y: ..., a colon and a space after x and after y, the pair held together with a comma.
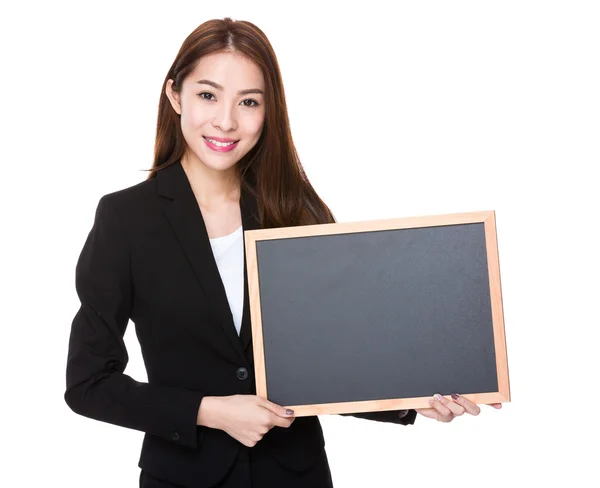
x: 185, y: 217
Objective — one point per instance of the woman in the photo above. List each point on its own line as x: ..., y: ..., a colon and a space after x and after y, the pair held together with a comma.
x: 167, y: 253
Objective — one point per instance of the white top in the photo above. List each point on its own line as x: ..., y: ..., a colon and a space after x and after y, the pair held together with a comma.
x: 229, y: 256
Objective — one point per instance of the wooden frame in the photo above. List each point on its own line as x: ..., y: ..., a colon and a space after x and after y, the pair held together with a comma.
x: 485, y: 217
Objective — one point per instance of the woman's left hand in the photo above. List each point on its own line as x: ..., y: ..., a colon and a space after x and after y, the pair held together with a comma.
x: 445, y: 410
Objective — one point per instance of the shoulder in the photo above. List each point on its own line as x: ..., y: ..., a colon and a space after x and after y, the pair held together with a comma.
x: 129, y: 198
x: 127, y: 204
x: 128, y: 208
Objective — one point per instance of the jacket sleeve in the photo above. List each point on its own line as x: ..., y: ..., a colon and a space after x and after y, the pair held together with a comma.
x: 96, y: 386
x: 403, y: 417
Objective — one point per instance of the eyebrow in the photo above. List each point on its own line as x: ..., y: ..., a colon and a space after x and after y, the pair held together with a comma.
x: 219, y: 87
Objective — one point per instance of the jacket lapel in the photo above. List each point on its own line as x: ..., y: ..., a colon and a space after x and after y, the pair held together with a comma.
x: 250, y: 221
x: 185, y: 217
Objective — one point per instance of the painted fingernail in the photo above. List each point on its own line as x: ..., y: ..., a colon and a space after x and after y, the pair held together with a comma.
x: 289, y: 412
x: 437, y: 396
x: 455, y: 396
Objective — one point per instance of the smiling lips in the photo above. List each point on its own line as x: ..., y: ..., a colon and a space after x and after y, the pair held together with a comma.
x: 220, y: 145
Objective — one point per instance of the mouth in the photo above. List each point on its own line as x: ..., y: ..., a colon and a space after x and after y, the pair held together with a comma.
x: 220, y: 146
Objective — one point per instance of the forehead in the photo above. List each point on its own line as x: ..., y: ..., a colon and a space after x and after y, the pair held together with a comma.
x: 233, y: 71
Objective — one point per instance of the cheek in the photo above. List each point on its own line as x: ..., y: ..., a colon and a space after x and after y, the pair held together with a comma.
x: 254, y: 125
x: 193, y: 115
x: 192, y: 119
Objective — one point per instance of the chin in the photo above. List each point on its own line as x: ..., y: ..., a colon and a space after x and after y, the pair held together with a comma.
x: 217, y: 165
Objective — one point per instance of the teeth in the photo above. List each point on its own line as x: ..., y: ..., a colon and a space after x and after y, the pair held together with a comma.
x: 220, y: 144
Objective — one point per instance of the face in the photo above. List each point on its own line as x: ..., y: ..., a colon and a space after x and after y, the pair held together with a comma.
x: 220, y: 102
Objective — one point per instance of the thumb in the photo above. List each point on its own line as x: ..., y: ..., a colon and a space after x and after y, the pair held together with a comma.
x: 278, y: 409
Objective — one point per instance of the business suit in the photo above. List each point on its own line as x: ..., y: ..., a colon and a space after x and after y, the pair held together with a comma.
x: 148, y: 258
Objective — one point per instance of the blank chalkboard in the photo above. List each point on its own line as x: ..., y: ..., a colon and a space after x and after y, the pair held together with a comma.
x: 377, y: 315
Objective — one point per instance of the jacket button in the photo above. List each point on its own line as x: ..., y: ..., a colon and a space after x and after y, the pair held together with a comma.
x: 242, y: 373
x: 175, y: 436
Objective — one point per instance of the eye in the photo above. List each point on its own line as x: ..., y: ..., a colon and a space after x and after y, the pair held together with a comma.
x: 256, y: 104
x: 253, y: 103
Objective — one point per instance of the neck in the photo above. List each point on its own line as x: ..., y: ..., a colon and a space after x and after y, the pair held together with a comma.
x: 211, y: 187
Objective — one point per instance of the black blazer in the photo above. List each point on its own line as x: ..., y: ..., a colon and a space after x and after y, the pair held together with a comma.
x: 148, y: 258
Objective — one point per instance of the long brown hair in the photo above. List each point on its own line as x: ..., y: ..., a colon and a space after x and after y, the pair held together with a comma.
x: 271, y: 170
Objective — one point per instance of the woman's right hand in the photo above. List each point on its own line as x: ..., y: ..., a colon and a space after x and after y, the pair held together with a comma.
x: 246, y: 418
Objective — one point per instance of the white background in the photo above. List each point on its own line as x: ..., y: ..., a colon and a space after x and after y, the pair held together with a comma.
x: 427, y: 108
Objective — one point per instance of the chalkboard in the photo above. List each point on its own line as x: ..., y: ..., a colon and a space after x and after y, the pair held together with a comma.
x: 377, y: 315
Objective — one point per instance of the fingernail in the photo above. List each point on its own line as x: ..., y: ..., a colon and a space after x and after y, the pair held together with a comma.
x: 289, y: 412
x: 437, y: 396
x: 430, y: 401
x: 455, y: 396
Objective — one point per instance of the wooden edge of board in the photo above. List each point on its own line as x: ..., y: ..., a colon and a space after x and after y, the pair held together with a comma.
x: 369, y: 225
x: 260, y: 373
x: 496, y: 305
x: 390, y: 404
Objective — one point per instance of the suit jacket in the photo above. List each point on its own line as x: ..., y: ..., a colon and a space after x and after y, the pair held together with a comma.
x: 148, y: 258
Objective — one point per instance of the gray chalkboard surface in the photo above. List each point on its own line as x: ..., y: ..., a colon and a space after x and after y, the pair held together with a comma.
x: 377, y: 315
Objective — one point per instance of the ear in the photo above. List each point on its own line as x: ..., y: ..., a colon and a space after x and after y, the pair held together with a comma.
x: 173, y: 97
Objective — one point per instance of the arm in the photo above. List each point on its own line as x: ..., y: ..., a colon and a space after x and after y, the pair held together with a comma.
x: 96, y: 386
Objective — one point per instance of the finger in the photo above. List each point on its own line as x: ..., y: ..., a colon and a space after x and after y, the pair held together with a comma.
x: 468, y: 405
x: 444, y: 414
x: 456, y: 409
x: 495, y: 405
x: 278, y: 409
x: 430, y: 413
x: 276, y: 420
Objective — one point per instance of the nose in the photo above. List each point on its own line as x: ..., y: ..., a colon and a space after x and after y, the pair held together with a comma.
x: 224, y: 117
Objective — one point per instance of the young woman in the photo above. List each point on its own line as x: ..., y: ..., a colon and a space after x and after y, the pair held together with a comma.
x: 168, y: 254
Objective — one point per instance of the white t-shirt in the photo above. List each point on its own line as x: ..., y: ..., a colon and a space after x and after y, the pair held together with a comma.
x: 229, y: 255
